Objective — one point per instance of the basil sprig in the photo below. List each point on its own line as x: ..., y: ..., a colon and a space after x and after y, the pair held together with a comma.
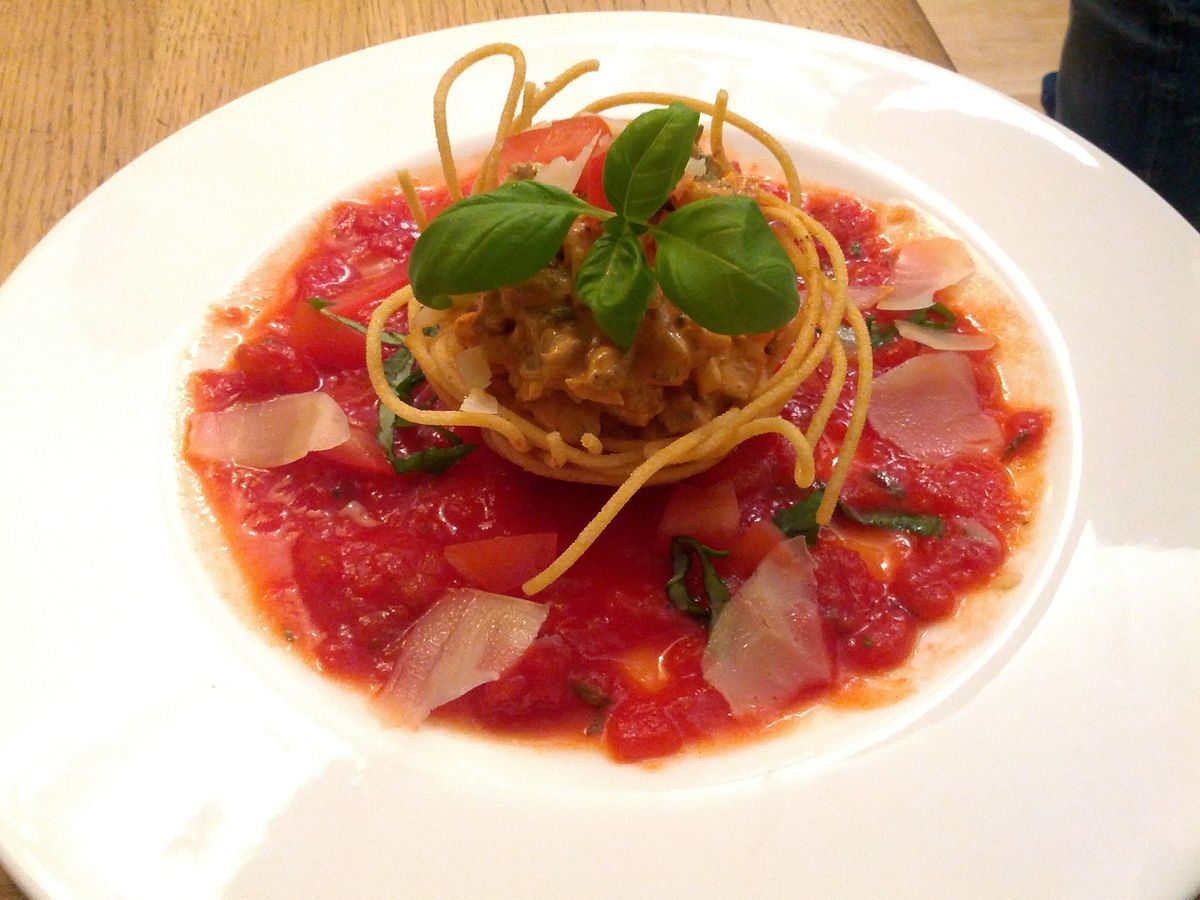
x: 716, y: 259
x: 716, y: 591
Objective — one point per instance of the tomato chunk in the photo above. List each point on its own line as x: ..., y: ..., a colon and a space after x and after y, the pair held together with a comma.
x: 565, y: 138
x: 708, y: 513
x: 753, y: 546
x: 503, y: 563
x: 360, y: 452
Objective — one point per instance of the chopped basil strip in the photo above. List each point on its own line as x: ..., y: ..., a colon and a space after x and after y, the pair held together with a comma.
x: 591, y: 696
x: 1015, y: 444
x: 880, y: 334
x: 936, y: 316
x: 391, y: 338
x: 594, y: 698
x: 706, y: 608
x: 801, y: 518
x: 404, y: 377
x: 435, y: 460
x: 925, y: 526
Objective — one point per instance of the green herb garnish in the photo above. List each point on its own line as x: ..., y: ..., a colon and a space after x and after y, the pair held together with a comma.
x: 855, y: 249
x: 935, y: 316
x: 880, y: 334
x: 716, y: 259
x: 403, y: 376
x: 801, y: 518
x: 1015, y: 444
x: 716, y: 592
x: 925, y: 526
x: 594, y: 698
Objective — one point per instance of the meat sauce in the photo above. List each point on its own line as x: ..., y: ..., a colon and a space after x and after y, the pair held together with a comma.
x: 342, y: 555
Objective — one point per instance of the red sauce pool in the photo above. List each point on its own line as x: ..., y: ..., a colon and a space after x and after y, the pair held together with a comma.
x: 343, y: 555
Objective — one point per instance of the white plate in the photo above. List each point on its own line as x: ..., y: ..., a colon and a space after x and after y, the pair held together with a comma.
x: 151, y: 745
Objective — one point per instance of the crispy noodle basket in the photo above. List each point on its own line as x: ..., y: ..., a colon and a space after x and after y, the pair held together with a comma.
x: 623, y: 463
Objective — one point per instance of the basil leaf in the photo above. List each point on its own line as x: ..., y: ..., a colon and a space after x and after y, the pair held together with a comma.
x: 403, y: 377
x: 1015, y: 444
x: 592, y: 696
x: 492, y: 240
x: 715, y: 589
x: 720, y: 263
x: 647, y: 159
x: 926, y: 526
x: 801, y: 518
x: 880, y: 334
x: 935, y: 316
x: 616, y: 282
x: 435, y: 460
x: 391, y: 338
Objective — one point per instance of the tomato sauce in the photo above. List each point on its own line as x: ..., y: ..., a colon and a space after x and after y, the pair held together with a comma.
x: 343, y: 555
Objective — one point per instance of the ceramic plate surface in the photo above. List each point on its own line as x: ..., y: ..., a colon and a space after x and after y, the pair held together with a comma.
x: 153, y: 744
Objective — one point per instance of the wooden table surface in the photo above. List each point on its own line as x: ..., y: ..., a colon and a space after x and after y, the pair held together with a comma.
x: 87, y: 85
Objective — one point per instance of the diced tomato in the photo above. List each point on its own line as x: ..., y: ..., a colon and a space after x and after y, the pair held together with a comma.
x: 755, y: 543
x: 360, y: 452
x: 503, y: 563
x: 708, y: 513
x: 641, y: 729
x: 273, y: 367
x: 368, y: 291
x: 565, y: 138
x: 591, y: 182
x: 329, y: 344
x: 332, y: 345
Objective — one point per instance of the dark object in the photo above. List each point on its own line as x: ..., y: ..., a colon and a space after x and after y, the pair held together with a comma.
x: 1129, y: 82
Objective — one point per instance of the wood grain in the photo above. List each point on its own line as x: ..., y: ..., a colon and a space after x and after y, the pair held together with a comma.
x: 1007, y: 46
x: 87, y: 85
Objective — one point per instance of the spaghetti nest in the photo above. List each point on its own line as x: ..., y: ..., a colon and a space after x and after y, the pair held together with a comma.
x: 624, y: 460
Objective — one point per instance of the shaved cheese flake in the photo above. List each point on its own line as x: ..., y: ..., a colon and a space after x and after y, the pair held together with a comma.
x: 894, y: 303
x: 929, y: 408
x: 478, y: 401
x: 927, y: 265
x: 473, y: 368
x: 695, y: 167
x: 466, y: 639
x: 268, y: 434
x: 941, y: 339
x: 564, y: 173
x: 768, y: 645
